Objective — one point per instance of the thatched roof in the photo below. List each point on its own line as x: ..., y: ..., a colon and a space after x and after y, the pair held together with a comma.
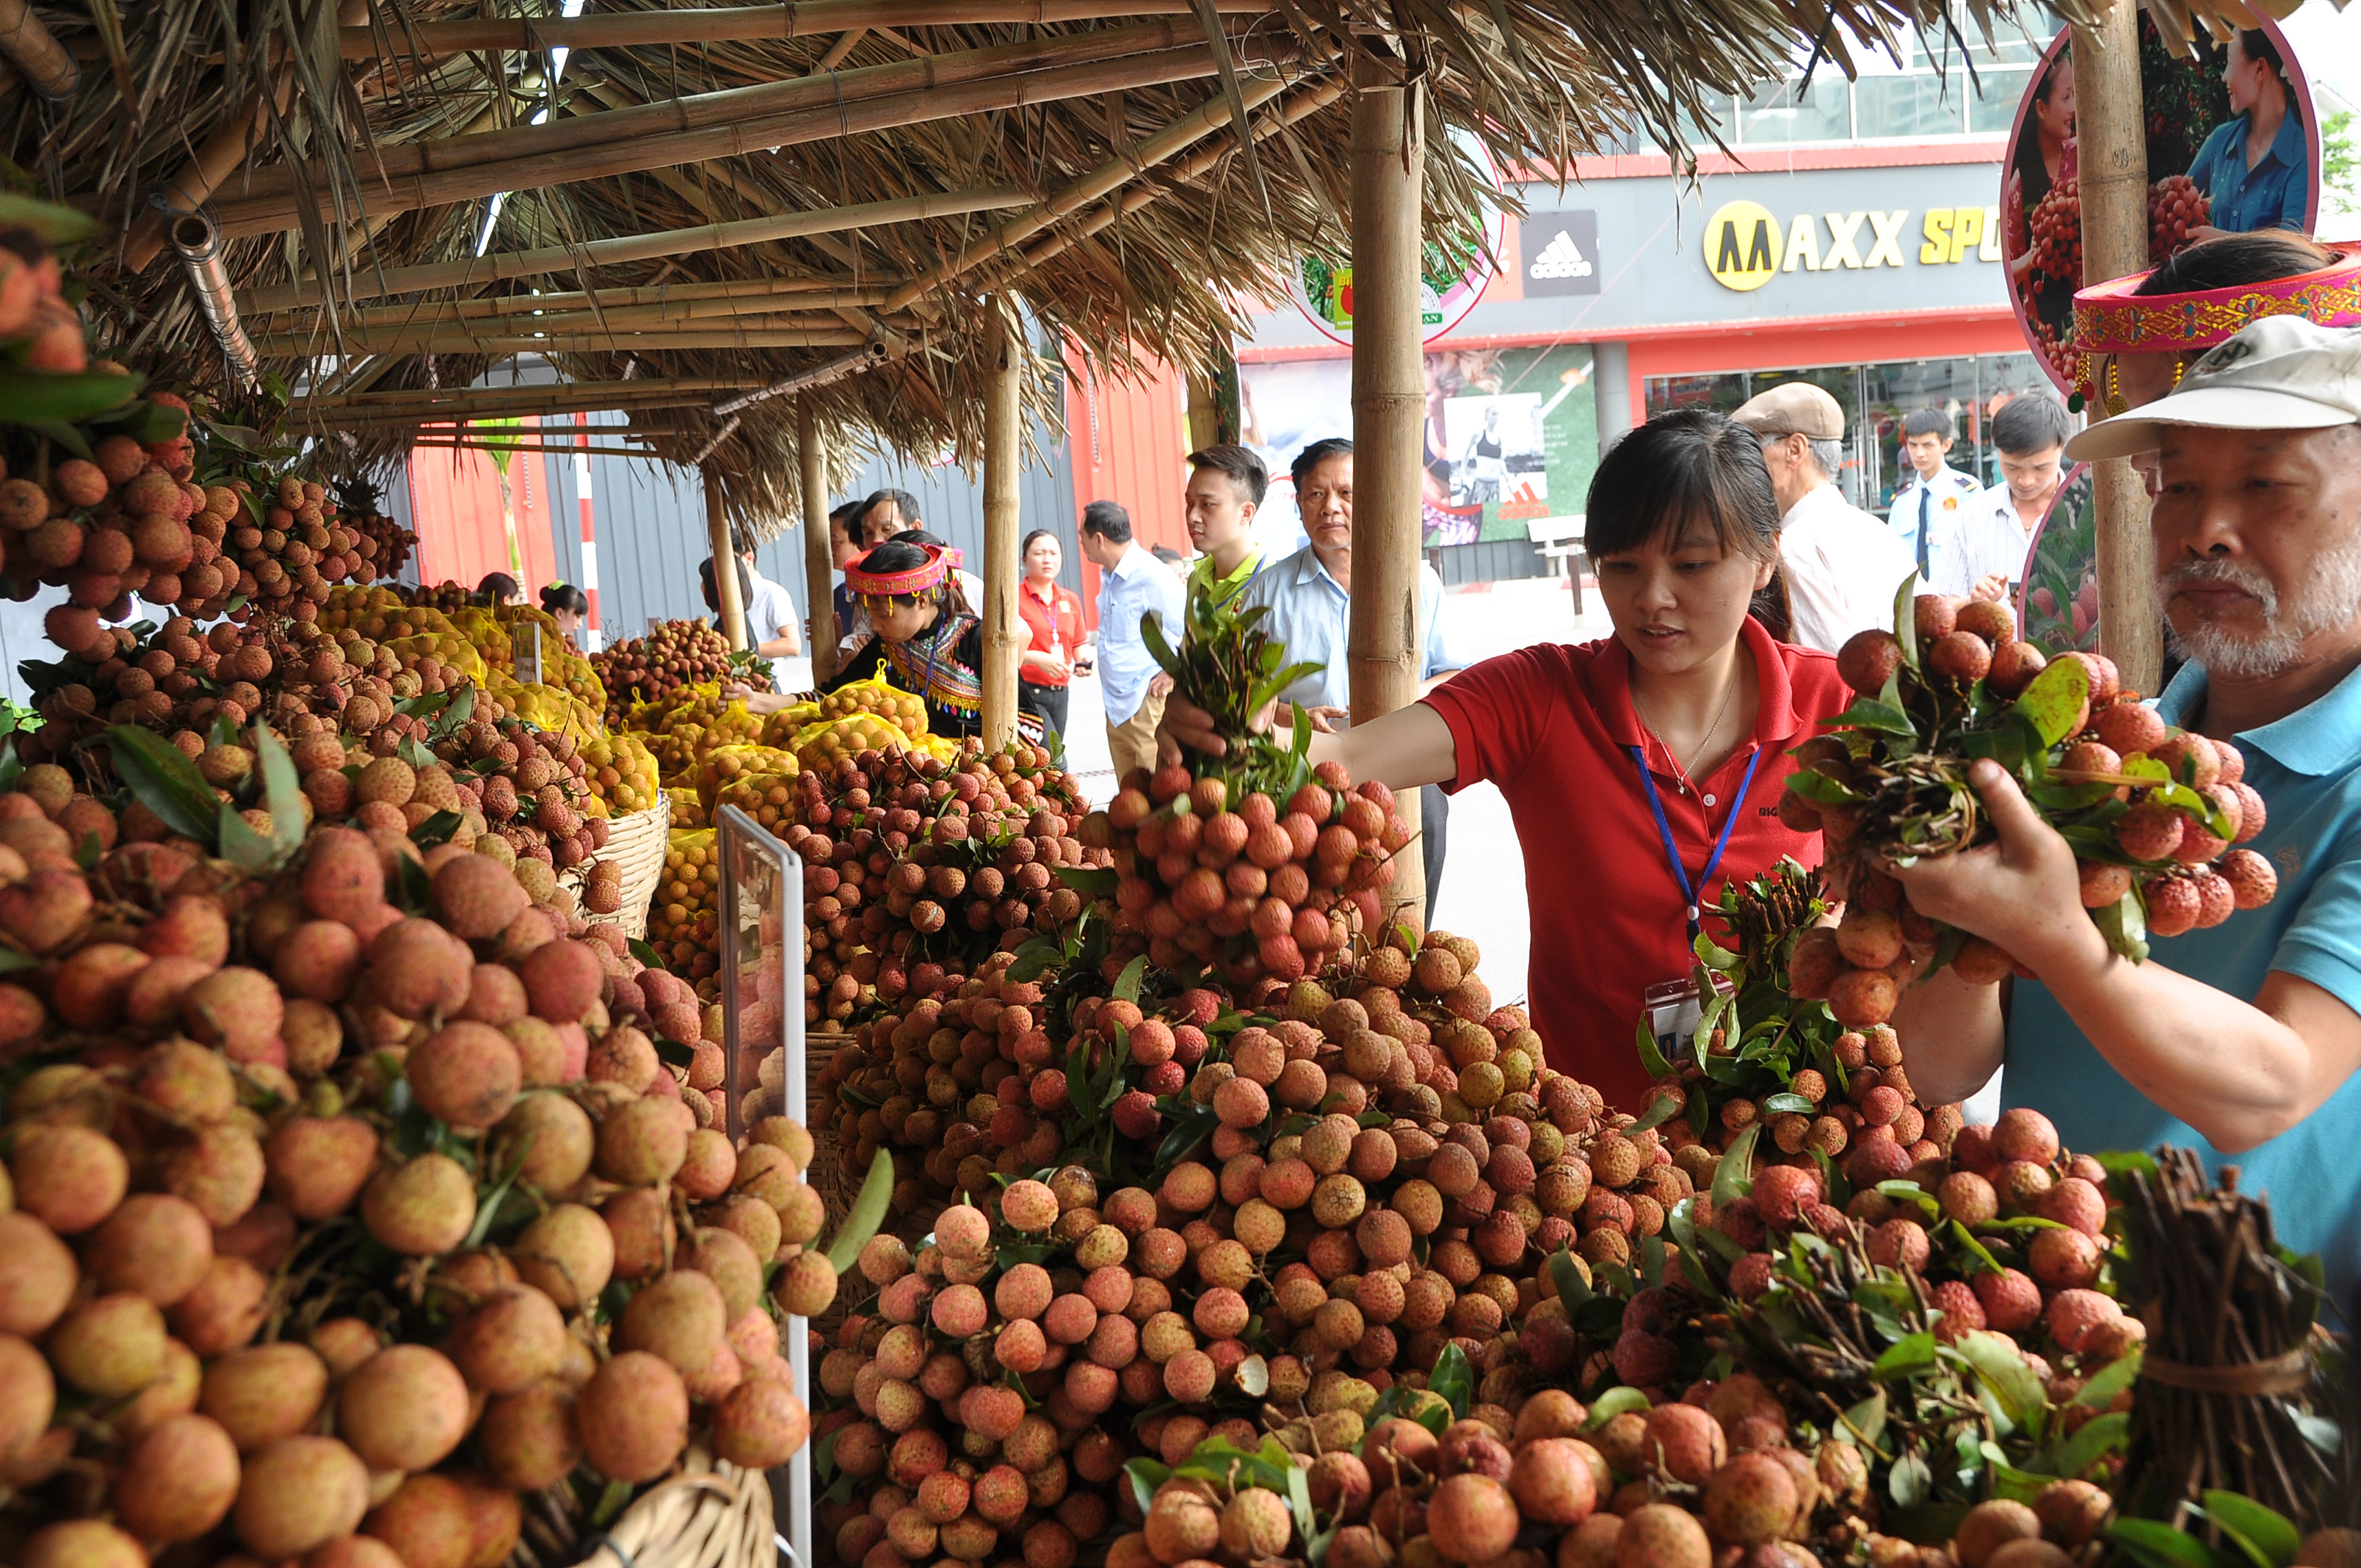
x: 863, y: 171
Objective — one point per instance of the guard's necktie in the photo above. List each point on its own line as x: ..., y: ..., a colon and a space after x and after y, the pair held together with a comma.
x: 1925, y: 500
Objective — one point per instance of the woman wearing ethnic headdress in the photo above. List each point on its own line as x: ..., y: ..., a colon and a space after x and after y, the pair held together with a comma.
x: 922, y: 637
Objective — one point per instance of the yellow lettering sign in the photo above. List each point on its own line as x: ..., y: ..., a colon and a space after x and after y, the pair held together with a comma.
x: 1936, y: 227
x: 1742, y: 246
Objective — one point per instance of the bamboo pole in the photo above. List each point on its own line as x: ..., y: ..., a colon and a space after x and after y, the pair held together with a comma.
x: 758, y: 294
x: 2114, y: 142
x: 820, y: 560
x: 599, y: 318
x: 1004, y: 643
x: 734, y: 121
x: 475, y: 271
x: 725, y: 562
x: 579, y: 342
x: 39, y: 57
x: 1388, y: 404
x: 244, y: 217
x: 1185, y: 173
x: 488, y: 402
x: 1193, y: 127
x: 746, y: 24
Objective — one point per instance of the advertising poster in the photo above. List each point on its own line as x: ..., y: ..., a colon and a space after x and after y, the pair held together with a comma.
x: 1512, y: 436
x: 2232, y: 147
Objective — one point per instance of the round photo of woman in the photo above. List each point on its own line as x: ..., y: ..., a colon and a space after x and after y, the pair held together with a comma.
x: 2232, y: 147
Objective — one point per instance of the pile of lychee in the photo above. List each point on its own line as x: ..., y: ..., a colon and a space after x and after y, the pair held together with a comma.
x: 648, y: 669
x: 916, y: 869
x: 1254, y: 888
x: 234, y: 1080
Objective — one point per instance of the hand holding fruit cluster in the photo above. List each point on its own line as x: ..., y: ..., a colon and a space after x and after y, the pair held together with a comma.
x: 2150, y: 812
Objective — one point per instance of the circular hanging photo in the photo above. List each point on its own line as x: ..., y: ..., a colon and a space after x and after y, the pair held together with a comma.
x: 2232, y: 147
x: 2058, y: 595
x: 1452, y: 277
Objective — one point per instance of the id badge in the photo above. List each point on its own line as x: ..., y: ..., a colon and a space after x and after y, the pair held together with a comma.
x: 1674, y: 1009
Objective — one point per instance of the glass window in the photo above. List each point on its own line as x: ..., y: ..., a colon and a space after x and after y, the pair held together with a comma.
x: 1994, y: 111
x: 1787, y: 112
x: 1893, y: 392
x: 1912, y: 107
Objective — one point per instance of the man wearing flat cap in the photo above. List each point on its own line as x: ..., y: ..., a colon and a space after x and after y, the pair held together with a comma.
x: 2243, y: 1035
x: 1842, y: 565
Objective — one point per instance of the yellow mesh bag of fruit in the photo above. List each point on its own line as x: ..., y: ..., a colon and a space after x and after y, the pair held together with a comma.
x: 904, y: 710
x: 687, y: 810
x: 779, y: 729
x: 621, y: 773
x: 684, y: 913
x: 819, y: 746
x: 719, y: 764
x: 768, y: 798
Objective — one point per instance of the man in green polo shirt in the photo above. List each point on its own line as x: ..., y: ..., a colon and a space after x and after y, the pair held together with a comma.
x: 1225, y: 488
x: 2244, y: 1037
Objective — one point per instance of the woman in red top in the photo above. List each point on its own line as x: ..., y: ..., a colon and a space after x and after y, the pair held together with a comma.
x: 1054, y: 617
x: 1643, y: 771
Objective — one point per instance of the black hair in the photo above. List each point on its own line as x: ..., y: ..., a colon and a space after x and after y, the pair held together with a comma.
x: 2258, y: 45
x: 904, y: 502
x: 565, y: 597
x: 2033, y: 423
x: 1026, y: 547
x: 497, y: 588
x: 845, y: 516
x: 1108, y: 521
x: 2230, y: 260
x: 1316, y: 453
x: 713, y: 595
x: 918, y: 536
x: 1245, y: 469
x: 1926, y: 422
x: 1687, y: 466
x: 1165, y: 553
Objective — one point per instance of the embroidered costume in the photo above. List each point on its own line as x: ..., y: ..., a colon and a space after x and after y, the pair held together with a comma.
x: 943, y: 664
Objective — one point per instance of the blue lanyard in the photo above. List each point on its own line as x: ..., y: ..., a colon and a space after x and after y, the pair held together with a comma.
x: 1673, y: 851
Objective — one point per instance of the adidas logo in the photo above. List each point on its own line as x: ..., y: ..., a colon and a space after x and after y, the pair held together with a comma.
x: 1560, y: 258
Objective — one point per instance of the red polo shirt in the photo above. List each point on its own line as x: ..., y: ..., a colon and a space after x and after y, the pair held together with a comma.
x: 1054, y: 623
x: 1552, y: 726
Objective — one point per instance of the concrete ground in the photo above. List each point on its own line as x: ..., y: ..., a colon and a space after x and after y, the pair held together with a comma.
x: 1483, y: 893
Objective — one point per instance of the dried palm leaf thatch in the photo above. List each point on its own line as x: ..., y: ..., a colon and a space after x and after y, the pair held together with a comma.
x: 412, y: 192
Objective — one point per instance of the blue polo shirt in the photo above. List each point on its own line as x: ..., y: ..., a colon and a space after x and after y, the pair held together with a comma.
x: 2272, y: 194
x: 1132, y: 589
x: 1311, y: 614
x: 2307, y: 769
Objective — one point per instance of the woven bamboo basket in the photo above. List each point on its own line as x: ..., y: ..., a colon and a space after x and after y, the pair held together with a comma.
x: 826, y: 1174
x: 636, y: 843
x: 711, y: 1515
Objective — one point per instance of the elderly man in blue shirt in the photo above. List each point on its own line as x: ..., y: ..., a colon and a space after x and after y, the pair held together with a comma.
x: 1134, y: 584
x: 1309, y: 596
x: 2256, y: 169
x: 2244, y: 1036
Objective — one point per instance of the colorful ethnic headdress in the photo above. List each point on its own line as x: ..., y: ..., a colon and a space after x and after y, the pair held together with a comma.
x: 917, y: 580
x: 2110, y: 319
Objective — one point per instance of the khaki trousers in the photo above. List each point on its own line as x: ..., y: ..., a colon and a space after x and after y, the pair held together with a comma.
x: 1132, y: 743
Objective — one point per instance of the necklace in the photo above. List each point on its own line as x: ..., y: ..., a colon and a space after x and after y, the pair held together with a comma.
x: 1711, y: 730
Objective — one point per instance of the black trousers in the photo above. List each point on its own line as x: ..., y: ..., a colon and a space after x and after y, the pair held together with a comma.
x: 1049, y: 702
x: 1435, y: 835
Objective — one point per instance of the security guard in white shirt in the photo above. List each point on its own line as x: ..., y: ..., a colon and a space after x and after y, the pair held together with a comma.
x: 1934, y: 493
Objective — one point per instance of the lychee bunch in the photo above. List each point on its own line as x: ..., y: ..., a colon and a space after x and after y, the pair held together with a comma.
x: 684, y: 915
x: 650, y: 669
x: 2151, y: 812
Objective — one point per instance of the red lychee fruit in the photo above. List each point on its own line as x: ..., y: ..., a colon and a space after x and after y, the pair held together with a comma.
x: 2022, y: 1133
x: 2012, y: 1302
x: 2253, y: 881
x: 1961, y: 1313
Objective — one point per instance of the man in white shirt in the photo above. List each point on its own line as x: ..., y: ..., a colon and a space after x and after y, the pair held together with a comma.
x: 773, y: 629
x: 1131, y: 585
x: 1979, y: 551
x: 1842, y: 566
x: 1935, y: 491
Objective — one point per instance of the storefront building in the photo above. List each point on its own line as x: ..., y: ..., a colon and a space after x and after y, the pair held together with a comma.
x: 1849, y: 237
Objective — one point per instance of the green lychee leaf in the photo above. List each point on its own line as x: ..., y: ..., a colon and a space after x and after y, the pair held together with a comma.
x: 1789, y: 1105
x: 1652, y: 1060
x: 2266, y: 1534
x: 2125, y: 924
x: 2058, y: 696
x: 1454, y: 1380
x: 1905, y: 620
x: 868, y: 1213
x: 163, y: 779
x: 1866, y: 1422
x: 1618, y: 1401
x: 2093, y: 1441
x: 1734, y: 1177
x: 1911, y: 1353
x: 2155, y: 1544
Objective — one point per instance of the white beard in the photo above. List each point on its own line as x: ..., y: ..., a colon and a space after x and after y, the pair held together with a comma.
x: 2329, y: 596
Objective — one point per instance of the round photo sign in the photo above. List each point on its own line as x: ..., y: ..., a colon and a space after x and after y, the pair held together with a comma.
x: 1452, y: 277
x: 2058, y: 595
x: 2233, y: 146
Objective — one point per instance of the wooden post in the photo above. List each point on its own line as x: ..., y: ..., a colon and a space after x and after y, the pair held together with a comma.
x: 819, y: 559
x: 2111, y: 125
x: 725, y: 563
x: 1003, y: 642
x: 1389, y: 406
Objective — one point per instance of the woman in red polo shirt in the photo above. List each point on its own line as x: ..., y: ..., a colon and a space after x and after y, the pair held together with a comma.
x: 1054, y: 617
x: 1643, y: 771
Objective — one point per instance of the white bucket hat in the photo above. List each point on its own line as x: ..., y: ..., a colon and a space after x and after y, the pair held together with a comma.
x: 2281, y: 373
